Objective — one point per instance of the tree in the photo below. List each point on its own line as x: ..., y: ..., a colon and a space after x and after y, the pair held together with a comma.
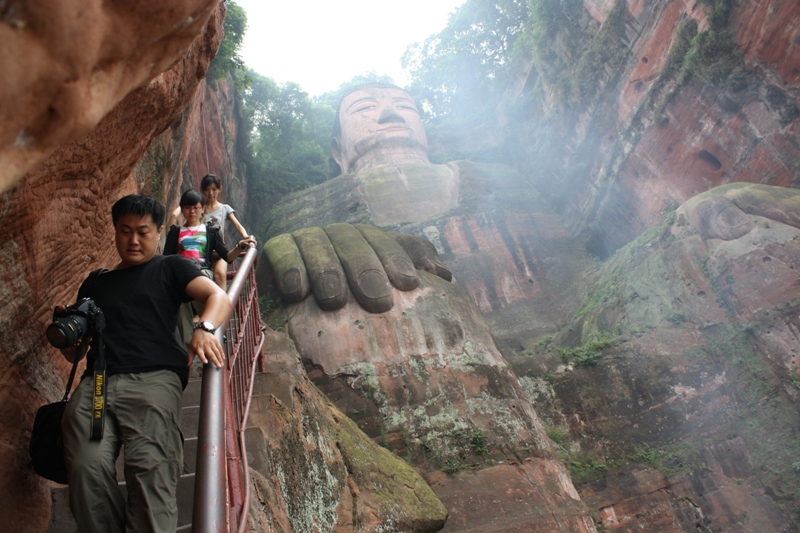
x: 288, y: 136
x: 461, y: 70
x: 227, y: 61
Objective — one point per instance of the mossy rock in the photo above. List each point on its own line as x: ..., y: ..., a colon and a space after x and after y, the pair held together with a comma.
x: 388, y: 484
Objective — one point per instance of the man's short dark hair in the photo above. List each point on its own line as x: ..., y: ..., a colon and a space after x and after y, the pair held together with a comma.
x: 191, y: 197
x: 209, y: 180
x: 138, y: 204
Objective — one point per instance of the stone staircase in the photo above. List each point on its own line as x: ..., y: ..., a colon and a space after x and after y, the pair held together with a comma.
x: 61, y: 520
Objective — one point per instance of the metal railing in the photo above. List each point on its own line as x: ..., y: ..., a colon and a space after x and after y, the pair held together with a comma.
x: 222, y: 480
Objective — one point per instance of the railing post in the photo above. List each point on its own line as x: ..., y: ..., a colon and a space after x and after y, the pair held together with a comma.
x: 210, y: 513
x: 211, y: 494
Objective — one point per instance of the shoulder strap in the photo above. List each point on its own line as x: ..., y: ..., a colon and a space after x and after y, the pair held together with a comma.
x: 91, y: 280
x: 171, y: 241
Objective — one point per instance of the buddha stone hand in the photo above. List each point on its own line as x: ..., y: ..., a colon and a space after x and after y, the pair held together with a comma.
x: 327, y: 260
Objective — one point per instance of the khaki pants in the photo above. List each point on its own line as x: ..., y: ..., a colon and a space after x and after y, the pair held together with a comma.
x: 143, y: 413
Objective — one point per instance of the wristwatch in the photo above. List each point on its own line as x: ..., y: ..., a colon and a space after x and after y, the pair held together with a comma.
x: 205, y: 325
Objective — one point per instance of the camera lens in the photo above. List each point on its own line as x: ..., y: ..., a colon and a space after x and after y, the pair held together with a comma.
x: 65, y: 331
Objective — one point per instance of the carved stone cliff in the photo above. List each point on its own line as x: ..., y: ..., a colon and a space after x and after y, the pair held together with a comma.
x: 56, y: 221
x: 160, y: 139
x: 683, y: 416
x: 656, y: 140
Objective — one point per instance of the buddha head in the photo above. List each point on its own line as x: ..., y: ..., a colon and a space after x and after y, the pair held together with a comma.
x: 375, y: 125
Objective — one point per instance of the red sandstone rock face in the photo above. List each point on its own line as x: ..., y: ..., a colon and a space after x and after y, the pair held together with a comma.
x: 690, y: 154
x: 726, y: 494
x: 704, y: 137
x: 201, y: 140
x: 533, y: 496
x: 56, y: 226
x: 522, y: 269
x: 705, y: 390
x: 427, y: 380
x: 67, y: 64
x: 419, y: 374
x: 769, y: 34
x: 313, y: 469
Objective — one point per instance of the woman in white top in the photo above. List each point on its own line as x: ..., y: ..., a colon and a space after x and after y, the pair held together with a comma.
x: 215, y: 214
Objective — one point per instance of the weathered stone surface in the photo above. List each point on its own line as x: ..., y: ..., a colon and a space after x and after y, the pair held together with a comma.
x: 67, y: 64
x: 56, y: 227
x: 533, y: 496
x: 725, y: 495
x: 652, y: 141
x: 426, y: 380
x: 418, y: 374
x: 313, y: 469
x: 701, y: 385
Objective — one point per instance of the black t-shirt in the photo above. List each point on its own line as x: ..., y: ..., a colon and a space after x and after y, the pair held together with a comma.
x: 141, y: 305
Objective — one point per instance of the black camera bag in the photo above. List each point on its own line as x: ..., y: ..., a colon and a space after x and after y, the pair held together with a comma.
x: 46, y: 447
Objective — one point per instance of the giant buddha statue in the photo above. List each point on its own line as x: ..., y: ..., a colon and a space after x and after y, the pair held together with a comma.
x: 393, y: 340
x: 489, y: 224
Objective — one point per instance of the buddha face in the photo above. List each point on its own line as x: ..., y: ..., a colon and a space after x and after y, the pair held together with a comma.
x: 378, y: 120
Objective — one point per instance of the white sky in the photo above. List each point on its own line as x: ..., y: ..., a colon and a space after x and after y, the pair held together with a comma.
x: 322, y: 43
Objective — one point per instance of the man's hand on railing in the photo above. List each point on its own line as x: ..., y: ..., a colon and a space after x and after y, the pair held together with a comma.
x: 328, y: 260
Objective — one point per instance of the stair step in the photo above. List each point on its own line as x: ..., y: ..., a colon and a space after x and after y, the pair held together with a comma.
x: 61, y: 520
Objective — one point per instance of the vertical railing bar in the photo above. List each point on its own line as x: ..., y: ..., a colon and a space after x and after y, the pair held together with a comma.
x: 212, y: 480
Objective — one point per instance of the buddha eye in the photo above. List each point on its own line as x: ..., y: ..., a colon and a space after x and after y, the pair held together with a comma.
x: 365, y: 107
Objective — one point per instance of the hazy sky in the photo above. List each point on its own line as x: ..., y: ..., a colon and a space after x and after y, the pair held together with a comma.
x: 320, y: 43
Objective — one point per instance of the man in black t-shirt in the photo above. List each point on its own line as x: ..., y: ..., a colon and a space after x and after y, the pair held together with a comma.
x: 147, y: 369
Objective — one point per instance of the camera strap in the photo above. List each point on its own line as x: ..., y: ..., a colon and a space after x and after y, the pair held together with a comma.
x: 99, y: 385
x: 99, y: 388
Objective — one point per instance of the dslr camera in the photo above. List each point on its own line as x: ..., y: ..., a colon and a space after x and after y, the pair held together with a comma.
x: 79, y: 319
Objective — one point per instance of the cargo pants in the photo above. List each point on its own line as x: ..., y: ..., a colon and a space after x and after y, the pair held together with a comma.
x: 142, y: 414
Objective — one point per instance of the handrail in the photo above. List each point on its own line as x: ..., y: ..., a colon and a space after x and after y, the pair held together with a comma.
x: 222, y: 481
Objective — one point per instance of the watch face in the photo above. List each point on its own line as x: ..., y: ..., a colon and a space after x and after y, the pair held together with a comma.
x: 205, y: 325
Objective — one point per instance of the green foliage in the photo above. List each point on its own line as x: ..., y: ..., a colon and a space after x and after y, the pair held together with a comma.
x: 718, y: 11
x: 287, y: 137
x: 459, y: 73
x: 646, y: 454
x: 543, y: 343
x: 606, y: 52
x: 795, y: 379
x: 670, y: 459
x: 479, y: 443
x: 715, y: 59
x: 585, y: 467
x: 676, y: 317
x: 557, y: 435
x: 227, y: 61
x: 455, y: 455
x: 588, y: 354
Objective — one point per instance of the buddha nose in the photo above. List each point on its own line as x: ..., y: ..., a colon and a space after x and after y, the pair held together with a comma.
x: 389, y: 114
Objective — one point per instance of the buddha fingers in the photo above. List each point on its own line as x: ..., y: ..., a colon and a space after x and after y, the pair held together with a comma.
x: 329, y: 260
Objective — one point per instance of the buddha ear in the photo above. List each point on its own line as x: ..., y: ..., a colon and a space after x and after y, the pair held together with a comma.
x: 338, y: 156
